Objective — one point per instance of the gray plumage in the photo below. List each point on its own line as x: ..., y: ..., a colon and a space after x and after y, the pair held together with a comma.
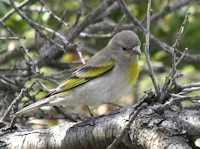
x: 124, y: 49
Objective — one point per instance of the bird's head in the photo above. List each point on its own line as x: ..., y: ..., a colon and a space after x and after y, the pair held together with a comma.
x: 126, y: 44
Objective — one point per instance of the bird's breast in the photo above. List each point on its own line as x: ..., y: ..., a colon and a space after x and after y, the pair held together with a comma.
x: 133, y: 72
x: 106, y: 88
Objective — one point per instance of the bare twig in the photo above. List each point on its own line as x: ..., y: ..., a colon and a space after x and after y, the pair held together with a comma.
x: 181, y: 58
x: 11, y: 38
x: 79, y: 51
x: 190, y: 85
x: 136, y: 111
x: 132, y: 18
x: 164, y: 46
x: 109, y: 26
x: 152, y: 75
x: 16, y: 101
x: 8, y: 29
x: 170, y: 79
x: 177, y: 41
x: 37, y: 27
x: 8, y: 82
x: 170, y: 8
x: 105, y: 25
x: 189, y: 90
x: 72, y: 33
x: 84, y: 34
x: 24, y: 50
x: 108, y: 11
x: 147, y: 35
x: 53, y: 14
x: 179, y: 98
x: 78, y: 16
x: 8, y: 14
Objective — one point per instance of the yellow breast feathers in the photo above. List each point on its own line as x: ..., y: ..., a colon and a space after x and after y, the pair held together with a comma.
x: 134, y: 71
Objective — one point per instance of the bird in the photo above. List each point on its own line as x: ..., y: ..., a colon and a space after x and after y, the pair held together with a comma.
x: 105, y: 77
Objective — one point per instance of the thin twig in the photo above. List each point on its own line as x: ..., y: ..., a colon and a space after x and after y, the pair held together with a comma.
x: 190, y: 85
x: 178, y: 97
x: 72, y: 33
x: 27, y: 57
x: 134, y: 20
x: 164, y: 46
x: 16, y: 101
x: 177, y: 41
x: 8, y: 14
x: 11, y: 38
x: 53, y: 14
x: 189, y: 90
x: 79, y: 51
x: 139, y: 108
x: 37, y: 27
x: 8, y: 29
x: 182, y: 56
x: 151, y: 72
x: 147, y: 35
x: 170, y: 79
x: 169, y: 9
x: 84, y: 34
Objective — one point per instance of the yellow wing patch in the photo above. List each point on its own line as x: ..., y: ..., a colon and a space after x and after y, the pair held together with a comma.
x: 73, y: 82
x: 95, y: 71
x: 82, y: 76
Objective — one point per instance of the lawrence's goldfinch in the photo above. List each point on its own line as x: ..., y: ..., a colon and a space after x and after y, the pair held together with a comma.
x: 107, y: 76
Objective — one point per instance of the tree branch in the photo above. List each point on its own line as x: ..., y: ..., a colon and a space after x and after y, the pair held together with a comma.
x: 150, y: 129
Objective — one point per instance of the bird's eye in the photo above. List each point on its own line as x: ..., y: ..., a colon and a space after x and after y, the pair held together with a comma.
x: 124, y: 49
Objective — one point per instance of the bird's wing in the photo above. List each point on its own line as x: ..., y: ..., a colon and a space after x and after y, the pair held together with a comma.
x: 79, y: 77
x: 83, y: 75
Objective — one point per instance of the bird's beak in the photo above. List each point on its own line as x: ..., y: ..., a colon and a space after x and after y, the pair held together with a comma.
x: 136, y: 50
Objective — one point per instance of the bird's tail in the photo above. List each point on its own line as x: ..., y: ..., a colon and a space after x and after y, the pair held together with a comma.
x: 33, y: 106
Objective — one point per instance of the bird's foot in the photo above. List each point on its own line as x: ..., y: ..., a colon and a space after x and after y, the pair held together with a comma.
x: 87, y: 108
x: 115, y: 105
